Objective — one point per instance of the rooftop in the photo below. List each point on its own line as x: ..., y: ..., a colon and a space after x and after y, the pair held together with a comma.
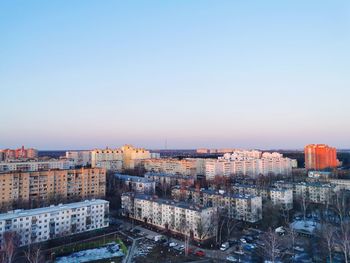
x: 132, y: 178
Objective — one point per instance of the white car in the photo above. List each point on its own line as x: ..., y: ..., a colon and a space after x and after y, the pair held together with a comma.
x: 172, y: 244
x: 243, y: 240
x: 231, y: 259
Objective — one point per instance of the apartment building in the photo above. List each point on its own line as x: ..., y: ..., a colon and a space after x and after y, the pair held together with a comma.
x: 277, y: 195
x: 249, y: 163
x: 81, y: 158
x: 320, y: 156
x: 186, y: 167
x: 137, y: 184
x: 170, y: 179
x: 315, y: 192
x: 21, y: 153
x: 196, y: 221
x: 42, y: 224
x: 238, y: 206
x: 35, y: 165
x: 47, y: 185
x: 125, y: 158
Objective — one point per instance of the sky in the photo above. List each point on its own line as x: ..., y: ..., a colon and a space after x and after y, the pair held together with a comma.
x: 244, y: 74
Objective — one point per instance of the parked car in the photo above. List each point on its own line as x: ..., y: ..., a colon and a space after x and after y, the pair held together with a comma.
x: 172, y: 244
x: 224, y: 246
x: 200, y: 253
x: 243, y: 240
x: 232, y: 259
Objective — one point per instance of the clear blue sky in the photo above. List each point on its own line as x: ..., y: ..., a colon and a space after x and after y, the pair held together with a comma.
x: 254, y: 74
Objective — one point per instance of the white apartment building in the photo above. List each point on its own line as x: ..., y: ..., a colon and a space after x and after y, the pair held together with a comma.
x: 277, y: 195
x: 36, y: 165
x: 42, y: 224
x: 340, y: 184
x: 79, y: 157
x: 314, y: 192
x: 239, y: 206
x: 248, y: 163
x: 186, y: 219
x: 127, y: 157
x: 137, y: 184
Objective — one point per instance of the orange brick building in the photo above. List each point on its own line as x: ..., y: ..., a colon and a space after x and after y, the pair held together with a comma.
x: 320, y: 156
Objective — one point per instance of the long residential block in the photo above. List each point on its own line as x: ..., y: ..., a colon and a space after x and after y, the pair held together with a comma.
x: 198, y: 222
x: 42, y: 224
x: 53, y: 184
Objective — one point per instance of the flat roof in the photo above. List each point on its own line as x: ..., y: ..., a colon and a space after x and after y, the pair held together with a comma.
x: 132, y: 178
x: 171, y: 202
x: 50, y: 209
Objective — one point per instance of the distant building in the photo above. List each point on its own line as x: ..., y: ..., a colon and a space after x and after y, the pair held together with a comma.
x: 43, y: 224
x: 46, y: 186
x: 170, y: 180
x: 28, y: 166
x: 188, y: 167
x: 21, y: 153
x: 81, y: 158
x: 197, y: 221
x: 320, y: 156
x: 319, y: 174
x: 125, y: 158
x: 137, y: 184
x: 248, y: 163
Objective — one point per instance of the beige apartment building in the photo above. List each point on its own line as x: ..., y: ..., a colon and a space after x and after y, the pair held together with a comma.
x: 52, y: 184
x: 188, y: 167
x: 125, y: 158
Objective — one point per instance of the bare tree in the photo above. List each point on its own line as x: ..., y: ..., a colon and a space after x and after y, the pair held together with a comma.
x: 343, y: 240
x: 34, y: 254
x: 328, y: 238
x: 10, y: 244
x: 291, y: 235
x: 271, y: 250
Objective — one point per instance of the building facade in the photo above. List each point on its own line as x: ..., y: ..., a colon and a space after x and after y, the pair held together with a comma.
x: 238, y: 206
x: 278, y: 195
x: 187, y: 167
x: 320, y: 156
x: 198, y: 222
x: 249, y: 163
x: 50, y: 185
x: 35, y: 165
x: 137, y: 184
x: 170, y: 179
x: 125, y: 158
x: 21, y: 153
x: 81, y: 158
x: 43, y: 224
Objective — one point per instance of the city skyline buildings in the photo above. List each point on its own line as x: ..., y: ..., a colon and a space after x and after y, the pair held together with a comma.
x: 85, y: 75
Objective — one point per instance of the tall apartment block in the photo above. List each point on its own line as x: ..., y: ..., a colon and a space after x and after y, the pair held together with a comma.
x: 125, y: 158
x: 46, y: 185
x: 320, y: 156
x: 42, y: 224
